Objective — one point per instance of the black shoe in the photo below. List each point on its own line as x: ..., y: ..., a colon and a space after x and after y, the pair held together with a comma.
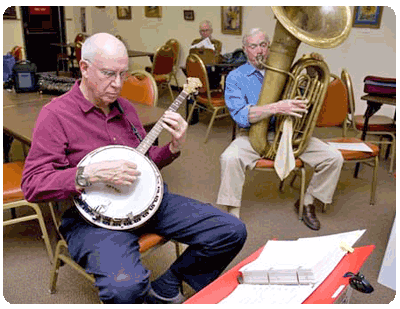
x: 153, y: 298
x: 309, y: 217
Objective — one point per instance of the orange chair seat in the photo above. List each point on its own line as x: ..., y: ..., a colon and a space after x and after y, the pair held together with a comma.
x: 148, y: 241
x: 12, y: 175
x: 217, y: 98
x: 355, y: 155
x: 138, y: 89
x: 162, y: 78
x: 265, y: 163
x: 375, y: 123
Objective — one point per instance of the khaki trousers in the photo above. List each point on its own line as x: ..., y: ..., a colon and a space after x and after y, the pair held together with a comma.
x: 326, y: 161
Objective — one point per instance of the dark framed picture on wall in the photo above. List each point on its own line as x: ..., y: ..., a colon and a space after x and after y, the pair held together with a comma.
x: 231, y: 20
x: 124, y: 12
x: 367, y: 16
x: 188, y: 14
x: 10, y: 13
x: 152, y: 11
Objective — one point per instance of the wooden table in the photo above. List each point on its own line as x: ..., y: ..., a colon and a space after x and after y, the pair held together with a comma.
x: 374, y: 104
x: 20, y: 112
x: 136, y: 53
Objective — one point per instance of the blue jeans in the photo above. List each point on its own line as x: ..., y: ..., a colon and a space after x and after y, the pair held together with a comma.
x: 214, y: 238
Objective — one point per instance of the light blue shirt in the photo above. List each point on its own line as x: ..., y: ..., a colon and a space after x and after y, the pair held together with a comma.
x: 242, y: 89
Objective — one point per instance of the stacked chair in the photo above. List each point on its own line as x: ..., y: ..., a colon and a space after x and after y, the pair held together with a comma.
x: 378, y: 125
x: 212, y: 101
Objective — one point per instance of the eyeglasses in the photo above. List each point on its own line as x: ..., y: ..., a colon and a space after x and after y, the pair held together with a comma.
x: 205, y: 30
x: 262, y: 45
x: 109, y: 74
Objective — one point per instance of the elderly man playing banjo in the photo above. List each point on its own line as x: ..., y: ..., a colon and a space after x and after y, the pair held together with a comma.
x: 243, y: 87
x: 92, y: 115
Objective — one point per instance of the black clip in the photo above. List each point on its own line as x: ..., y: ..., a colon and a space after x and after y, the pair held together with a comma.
x: 359, y: 283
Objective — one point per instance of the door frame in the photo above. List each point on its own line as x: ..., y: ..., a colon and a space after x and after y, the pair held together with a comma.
x: 24, y: 11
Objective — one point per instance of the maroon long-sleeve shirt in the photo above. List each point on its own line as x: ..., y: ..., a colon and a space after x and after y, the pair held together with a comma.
x: 66, y: 130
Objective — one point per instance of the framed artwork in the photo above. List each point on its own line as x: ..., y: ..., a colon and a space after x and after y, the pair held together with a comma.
x: 231, y: 20
x: 188, y: 14
x: 124, y: 12
x: 10, y: 13
x: 83, y: 19
x: 152, y: 11
x: 367, y: 16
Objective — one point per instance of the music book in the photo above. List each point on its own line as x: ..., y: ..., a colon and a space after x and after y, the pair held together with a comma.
x: 206, y: 43
x: 289, y: 271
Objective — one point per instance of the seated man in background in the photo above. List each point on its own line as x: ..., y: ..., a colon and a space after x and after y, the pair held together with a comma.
x: 92, y: 115
x: 206, y: 30
x: 209, y: 56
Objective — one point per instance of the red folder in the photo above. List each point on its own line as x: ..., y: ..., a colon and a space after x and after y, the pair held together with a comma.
x: 225, y: 284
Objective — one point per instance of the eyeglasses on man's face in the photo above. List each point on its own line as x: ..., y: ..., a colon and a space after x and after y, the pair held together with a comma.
x: 254, y: 46
x: 109, y: 74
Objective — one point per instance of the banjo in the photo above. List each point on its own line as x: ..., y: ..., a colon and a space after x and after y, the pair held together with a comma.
x: 127, y: 207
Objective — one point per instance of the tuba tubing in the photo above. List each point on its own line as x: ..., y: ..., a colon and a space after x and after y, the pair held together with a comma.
x: 302, y: 87
x: 282, y: 52
x: 294, y: 25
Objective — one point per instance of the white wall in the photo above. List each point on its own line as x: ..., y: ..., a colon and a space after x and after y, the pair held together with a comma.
x: 12, y: 33
x: 365, y: 52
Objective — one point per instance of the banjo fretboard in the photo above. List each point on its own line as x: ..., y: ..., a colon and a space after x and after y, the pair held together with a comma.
x: 156, y: 130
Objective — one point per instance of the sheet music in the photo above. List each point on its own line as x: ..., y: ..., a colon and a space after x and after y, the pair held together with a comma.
x: 254, y: 294
x: 351, y: 146
x: 206, y: 43
x: 304, y: 263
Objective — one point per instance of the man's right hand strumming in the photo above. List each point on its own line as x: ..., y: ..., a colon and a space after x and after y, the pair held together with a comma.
x: 119, y: 172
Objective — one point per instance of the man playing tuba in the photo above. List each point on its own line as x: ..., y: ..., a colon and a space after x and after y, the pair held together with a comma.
x: 243, y: 87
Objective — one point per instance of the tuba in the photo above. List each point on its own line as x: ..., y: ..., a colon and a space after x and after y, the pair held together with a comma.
x: 322, y: 27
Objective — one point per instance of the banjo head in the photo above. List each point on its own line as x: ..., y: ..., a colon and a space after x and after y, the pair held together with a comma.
x: 121, y: 207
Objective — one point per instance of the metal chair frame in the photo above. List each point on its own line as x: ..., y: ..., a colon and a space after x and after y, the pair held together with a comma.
x: 217, y: 111
x: 164, y: 75
x: 13, y: 203
x: 62, y: 254
x: 346, y: 79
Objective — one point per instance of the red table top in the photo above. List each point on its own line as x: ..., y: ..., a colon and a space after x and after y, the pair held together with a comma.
x: 225, y: 284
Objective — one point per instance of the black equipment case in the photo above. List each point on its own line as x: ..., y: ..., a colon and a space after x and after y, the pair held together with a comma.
x: 24, y: 74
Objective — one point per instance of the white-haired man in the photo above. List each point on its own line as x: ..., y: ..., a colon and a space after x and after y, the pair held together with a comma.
x: 243, y: 87
x: 92, y: 115
x: 206, y: 30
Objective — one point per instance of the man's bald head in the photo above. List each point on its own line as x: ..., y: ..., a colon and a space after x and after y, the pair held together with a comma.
x: 103, y: 45
x: 104, y: 66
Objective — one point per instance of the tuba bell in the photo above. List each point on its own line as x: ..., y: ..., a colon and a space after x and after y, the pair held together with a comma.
x: 322, y: 27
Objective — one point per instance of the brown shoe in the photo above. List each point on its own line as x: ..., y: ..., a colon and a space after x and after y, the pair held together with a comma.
x: 309, y: 217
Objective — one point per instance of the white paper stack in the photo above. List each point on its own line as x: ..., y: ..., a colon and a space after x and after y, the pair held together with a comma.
x: 287, y: 272
x: 302, y: 261
x: 206, y: 43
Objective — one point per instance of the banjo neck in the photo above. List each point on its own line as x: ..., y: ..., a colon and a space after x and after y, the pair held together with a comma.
x: 157, y: 128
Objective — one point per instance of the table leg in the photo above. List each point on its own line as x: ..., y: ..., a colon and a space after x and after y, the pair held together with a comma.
x: 372, y: 108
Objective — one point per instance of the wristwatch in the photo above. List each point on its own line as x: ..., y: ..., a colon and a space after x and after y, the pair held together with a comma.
x: 81, y: 180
